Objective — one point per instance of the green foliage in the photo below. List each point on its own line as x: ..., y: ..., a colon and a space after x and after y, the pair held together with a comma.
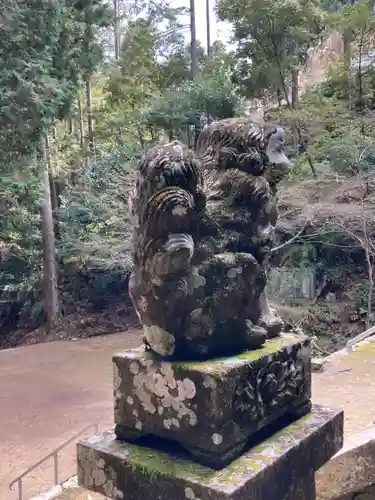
x: 38, y: 80
x: 272, y: 39
x: 94, y: 247
x: 20, y: 249
x: 134, y: 79
x: 46, y: 49
x: 190, y: 103
x: 356, y: 20
x: 147, y: 95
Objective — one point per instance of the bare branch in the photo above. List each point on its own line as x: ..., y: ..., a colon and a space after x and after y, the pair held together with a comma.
x: 276, y: 249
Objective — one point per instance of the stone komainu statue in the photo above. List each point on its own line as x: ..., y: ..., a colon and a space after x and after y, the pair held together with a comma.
x: 204, y: 226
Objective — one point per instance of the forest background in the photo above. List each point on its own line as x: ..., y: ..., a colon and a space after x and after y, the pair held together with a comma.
x: 87, y: 85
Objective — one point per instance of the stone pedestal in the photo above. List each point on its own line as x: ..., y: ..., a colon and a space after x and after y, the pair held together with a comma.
x: 212, y: 408
x: 236, y: 428
x: 280, y: 467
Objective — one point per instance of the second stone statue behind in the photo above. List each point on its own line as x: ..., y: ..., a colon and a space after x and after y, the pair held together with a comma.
x: 204, y: 226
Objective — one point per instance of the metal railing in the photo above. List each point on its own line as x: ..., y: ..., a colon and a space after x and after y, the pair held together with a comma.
x: 55, y: 455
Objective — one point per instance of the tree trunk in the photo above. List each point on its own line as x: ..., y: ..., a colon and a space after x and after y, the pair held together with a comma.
x: 88, y: 83
x: 208, y: 28
x: 347, y: 41
x: 279, y: 98
x: 71, y: 126
x: 193, y: 43
x: 360, y: 83
x: 81, y: 123
x: 90, y: 129
x: 55, y: 204
x: 294, y: 88
x: 51, y: 298
x: 294, y: 103
x: 117, y: 29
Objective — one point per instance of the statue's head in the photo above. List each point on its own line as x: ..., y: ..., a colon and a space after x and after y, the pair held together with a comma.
x: 274, y: 150
x: 268, y: 140
x: 170, y: 164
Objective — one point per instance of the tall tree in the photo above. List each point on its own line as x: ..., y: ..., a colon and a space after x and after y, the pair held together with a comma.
x: 39, y: 80
x: 208, y: 28
x: 117, y: 28
x: 193, y: 40
x: 50, y: 283
x: 273, y: 39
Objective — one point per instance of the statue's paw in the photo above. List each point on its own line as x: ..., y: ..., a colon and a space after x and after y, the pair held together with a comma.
x: 179, y: 241
x: 256, y: 335
x: 272, y: 323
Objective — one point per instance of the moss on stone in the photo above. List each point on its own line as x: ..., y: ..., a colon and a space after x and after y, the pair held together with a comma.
x: 272, y: 346
x: 156, y: 464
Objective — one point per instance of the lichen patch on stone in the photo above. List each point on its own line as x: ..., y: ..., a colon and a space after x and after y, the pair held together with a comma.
x: 186, y: 389
x: 134, y: 368
x: 160, y: 340
x: 138, y: 425
x: 209, y: 383
x: 217, y: 439
x: 116, y: 378
x: 233, y: 272
x: 179, y: 210
x: 189, y: 493
x: 158, y: 391
x: 195, y: 280
x: 95, y: 439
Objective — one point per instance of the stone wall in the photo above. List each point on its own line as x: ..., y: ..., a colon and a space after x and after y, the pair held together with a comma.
x: 285, y: 284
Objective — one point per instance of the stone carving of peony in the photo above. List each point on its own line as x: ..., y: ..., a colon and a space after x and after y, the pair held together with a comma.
x: 273, y: 386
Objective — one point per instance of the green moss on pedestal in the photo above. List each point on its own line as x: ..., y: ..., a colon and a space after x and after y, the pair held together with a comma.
x: 156, y: 464
x: 272, y: 346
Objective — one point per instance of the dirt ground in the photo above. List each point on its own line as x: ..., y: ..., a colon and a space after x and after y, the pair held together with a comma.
x: 49, y: 392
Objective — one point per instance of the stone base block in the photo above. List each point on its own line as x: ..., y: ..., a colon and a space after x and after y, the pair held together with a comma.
x: 281, y: 467
x: 351, y: 470
x: 212, y: 408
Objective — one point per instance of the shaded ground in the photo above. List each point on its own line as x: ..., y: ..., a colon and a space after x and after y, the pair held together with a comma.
x: 81, y: 324
x: 329, y: 324
x: 48, y: 392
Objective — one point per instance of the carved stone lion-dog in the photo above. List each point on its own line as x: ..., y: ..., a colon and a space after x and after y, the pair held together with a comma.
x: 204, y: 226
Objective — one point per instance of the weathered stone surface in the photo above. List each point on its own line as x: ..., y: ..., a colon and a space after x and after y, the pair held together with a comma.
x: 49, y: 495
x: 351, y: 470
x: 275, y: 469
x: 366, y: 494
x: 203, y: 233
x: 317, y: 364
x: 211, y: 407
x: 303, y: 488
